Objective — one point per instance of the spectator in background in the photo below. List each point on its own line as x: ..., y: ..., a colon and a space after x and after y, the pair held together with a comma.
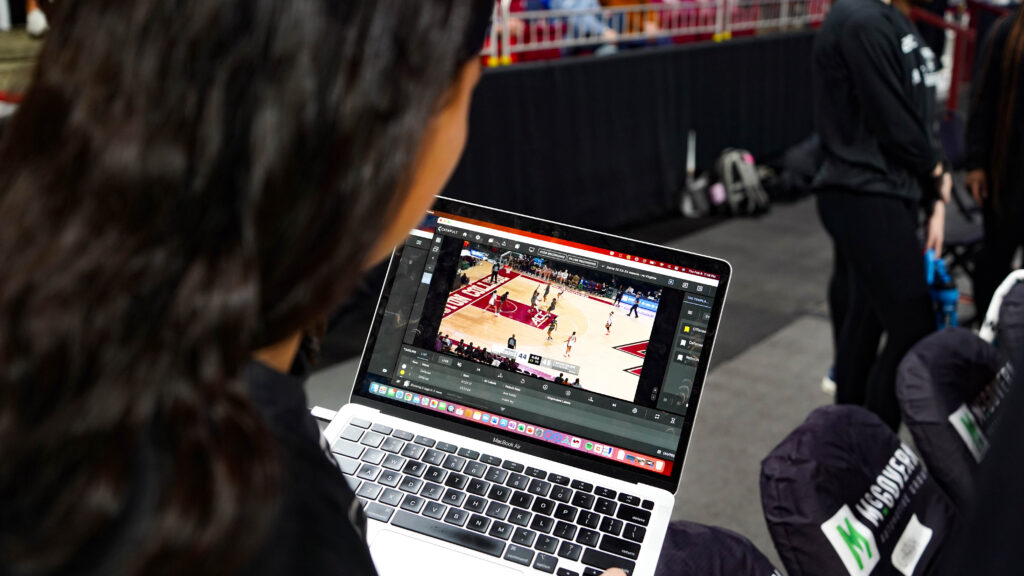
x: 589, y: 23
x: 995, y: 144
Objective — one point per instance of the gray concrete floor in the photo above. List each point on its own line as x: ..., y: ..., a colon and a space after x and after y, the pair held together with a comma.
x: 774, y: 347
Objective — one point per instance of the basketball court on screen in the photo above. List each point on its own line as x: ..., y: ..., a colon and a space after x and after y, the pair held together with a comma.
x: 607, y: 364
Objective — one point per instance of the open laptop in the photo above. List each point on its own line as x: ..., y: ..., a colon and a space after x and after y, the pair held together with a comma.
x: 526, y: 395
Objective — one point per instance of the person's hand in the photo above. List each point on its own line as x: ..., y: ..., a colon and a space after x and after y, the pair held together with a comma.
x: 614, y: 572
x: 943, y: 183
x: 936, y: 229
x: 977, y: 184
x: 609, y: 35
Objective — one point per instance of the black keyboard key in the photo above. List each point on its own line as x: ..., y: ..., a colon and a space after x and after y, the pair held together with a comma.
x: 393, y: 462
x: 545, y: 563
x: 413, y: 451
x: 372, y: 439
x: 583, y: 500
x: 385, y: 430
x: 492, y: 460
x: 424, y: 441
x: 566, y: 572
x: 457, y: 481
x: 589, y: 571
x: 605, y: 506
x: 561, y: 494
x: 445, y: 531
x: 434, y: 474
x: 500, y: 530
x: 346, y: 448
x: 620, y: 547
x: 347, y: 465
x: 647, y: 505
x: 391, y: 497
x: 513, y: 466
x: 544, y: 506
x: 588, y: 537
x: 468, y: 454
x: 634, y: 532
x: 378, y: 512
x: 605, y: 492
x: 542, y: 524
x: 585, y: 486
x: 434, y: 510
x: 539, y: 487
x: 521, y: 499
x: 589, y: 519
x: 368, y: 472
x: 410, y: 484
x: 519, y: 555
x: 566, y: 513
x: 524, y: 537
x: 373, y: 456
x: 478, y: 487
x: 499, y: 493
x: 536, y: 473
x: 360, y: 422
x: 446, y: 447
x: 611, y: 526
x: 434, y: 457
x: 454, y: 463
x: 497, y: 510
x: 518, y: 481
x: 558, y: 479
x: 413, y: 503
x: 475, y: 504
x: 627, y: 499
x: 432, y: 491
x: 453, y: 497
x: 456, y: 516
x: 392, y: 445
x: 520, y: 517
x: 478, y: 469
x: 414, y: 468
x: 352, y: 434
x: 546, y: 544
x: 369, y: 490
x: 604, y: 561
x: 496, y: 475
x: 570, y: 551
x: 390, y: 478
x: 564, y: 530
x: 478, y: 523
x: 403, y: 435
x: 634, y: 515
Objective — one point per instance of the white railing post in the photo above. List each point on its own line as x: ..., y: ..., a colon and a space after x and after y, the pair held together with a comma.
x: 505, y: 57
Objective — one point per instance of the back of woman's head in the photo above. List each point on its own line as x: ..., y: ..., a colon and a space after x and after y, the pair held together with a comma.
x: 187, y: 181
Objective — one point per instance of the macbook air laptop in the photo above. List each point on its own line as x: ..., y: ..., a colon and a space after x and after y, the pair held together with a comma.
x: 526, y: 395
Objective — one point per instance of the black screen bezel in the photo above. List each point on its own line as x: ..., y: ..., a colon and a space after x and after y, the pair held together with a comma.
x: 598, y: 240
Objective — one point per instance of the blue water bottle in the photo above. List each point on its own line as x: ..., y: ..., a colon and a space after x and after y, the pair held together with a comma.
x: 945, y: 294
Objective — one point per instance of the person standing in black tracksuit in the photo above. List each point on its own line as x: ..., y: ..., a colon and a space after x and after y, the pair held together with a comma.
x: 995, y: 144
x: 874, y: 101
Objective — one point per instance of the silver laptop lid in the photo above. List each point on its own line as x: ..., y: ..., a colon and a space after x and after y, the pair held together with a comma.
x: 566, y: 343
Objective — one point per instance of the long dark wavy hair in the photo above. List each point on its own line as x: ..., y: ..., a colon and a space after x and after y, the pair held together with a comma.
x: 1011, y: 63
x: 185, y: 182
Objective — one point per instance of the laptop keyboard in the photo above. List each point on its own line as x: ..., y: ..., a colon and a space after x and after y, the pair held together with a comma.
x: 499, y: 507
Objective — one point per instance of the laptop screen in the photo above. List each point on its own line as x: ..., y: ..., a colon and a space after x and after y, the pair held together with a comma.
x: 554, y: 341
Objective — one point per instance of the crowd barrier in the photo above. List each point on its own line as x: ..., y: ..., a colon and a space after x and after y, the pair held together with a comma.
x: 523, y: 32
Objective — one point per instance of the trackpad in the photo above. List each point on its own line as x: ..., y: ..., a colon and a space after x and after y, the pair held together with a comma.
x: 396, y: 554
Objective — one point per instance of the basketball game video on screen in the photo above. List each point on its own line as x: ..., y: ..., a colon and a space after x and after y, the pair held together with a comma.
x: 567, y: 324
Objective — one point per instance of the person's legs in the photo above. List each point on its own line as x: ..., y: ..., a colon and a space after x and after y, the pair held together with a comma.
x: 994, y: 260
x: 878, y: 237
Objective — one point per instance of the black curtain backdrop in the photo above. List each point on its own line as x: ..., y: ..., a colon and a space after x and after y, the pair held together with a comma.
x: 601, y: 142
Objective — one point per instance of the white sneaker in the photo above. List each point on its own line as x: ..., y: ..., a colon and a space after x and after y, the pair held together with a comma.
x: 828, y: 385
x: 36, y: 24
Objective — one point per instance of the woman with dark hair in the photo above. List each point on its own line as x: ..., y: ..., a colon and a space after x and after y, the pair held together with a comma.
x: 995, y: 144
x: 185, y: 190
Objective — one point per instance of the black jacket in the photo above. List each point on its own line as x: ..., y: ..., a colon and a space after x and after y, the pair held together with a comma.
x: 874, y: 101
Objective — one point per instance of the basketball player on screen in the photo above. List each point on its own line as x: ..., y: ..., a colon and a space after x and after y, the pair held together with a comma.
x: 552, y: 327
x: 568, y: 345
x: 608, y: 324
x: 492, y: 302
x: 533, y: 299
